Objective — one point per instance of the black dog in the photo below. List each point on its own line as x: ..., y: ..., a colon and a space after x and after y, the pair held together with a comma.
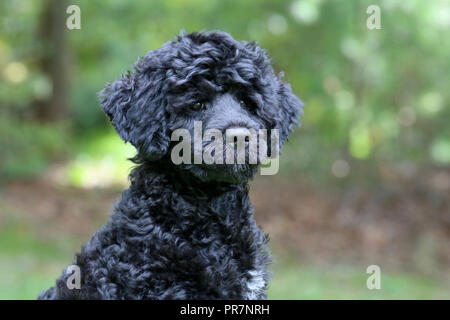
x: 185, y: 231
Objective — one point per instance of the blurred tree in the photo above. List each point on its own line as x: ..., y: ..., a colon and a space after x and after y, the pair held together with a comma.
x: 54, y: 60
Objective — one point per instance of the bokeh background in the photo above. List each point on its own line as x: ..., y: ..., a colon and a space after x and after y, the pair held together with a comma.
x: 365, y: 180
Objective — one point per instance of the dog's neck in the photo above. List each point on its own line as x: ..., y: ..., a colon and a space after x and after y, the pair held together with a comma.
x: 147, y: 174
x: 196, y: 200
x: 202, y: 216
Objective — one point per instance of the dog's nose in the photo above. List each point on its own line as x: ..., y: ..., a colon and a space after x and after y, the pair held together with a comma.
x: 237, y: 133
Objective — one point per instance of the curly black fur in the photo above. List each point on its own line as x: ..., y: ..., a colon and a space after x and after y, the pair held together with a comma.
x: 185, y: 231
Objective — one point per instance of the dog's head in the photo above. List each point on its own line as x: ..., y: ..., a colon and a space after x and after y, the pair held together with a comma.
x: 206, y: 77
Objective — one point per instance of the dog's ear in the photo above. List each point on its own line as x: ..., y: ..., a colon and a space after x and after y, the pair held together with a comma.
x: 136, y: 107
x: 290, y: 110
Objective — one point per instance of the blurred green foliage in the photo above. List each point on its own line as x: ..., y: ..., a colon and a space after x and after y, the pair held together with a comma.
x: 27, y: 146
x: 372, y: 96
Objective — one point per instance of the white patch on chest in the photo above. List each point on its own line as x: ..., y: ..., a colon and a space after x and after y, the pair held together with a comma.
x: 255, y: 285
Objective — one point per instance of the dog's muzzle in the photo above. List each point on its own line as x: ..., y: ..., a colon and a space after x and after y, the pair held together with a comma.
x: 238, y: 133
x: 241, y: 145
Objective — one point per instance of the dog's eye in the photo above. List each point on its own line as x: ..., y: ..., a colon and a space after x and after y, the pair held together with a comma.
x: 198, y: 106
x: 247, y: 104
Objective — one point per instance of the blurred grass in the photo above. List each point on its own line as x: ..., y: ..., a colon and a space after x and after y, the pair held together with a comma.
x: 31, y: 264
x: 28, y: 264
x: 292, y: 280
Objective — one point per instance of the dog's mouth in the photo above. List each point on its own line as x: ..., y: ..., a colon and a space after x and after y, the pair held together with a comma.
x: 239, y: 146
x: 242, y: 152
x: 230, y: 155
